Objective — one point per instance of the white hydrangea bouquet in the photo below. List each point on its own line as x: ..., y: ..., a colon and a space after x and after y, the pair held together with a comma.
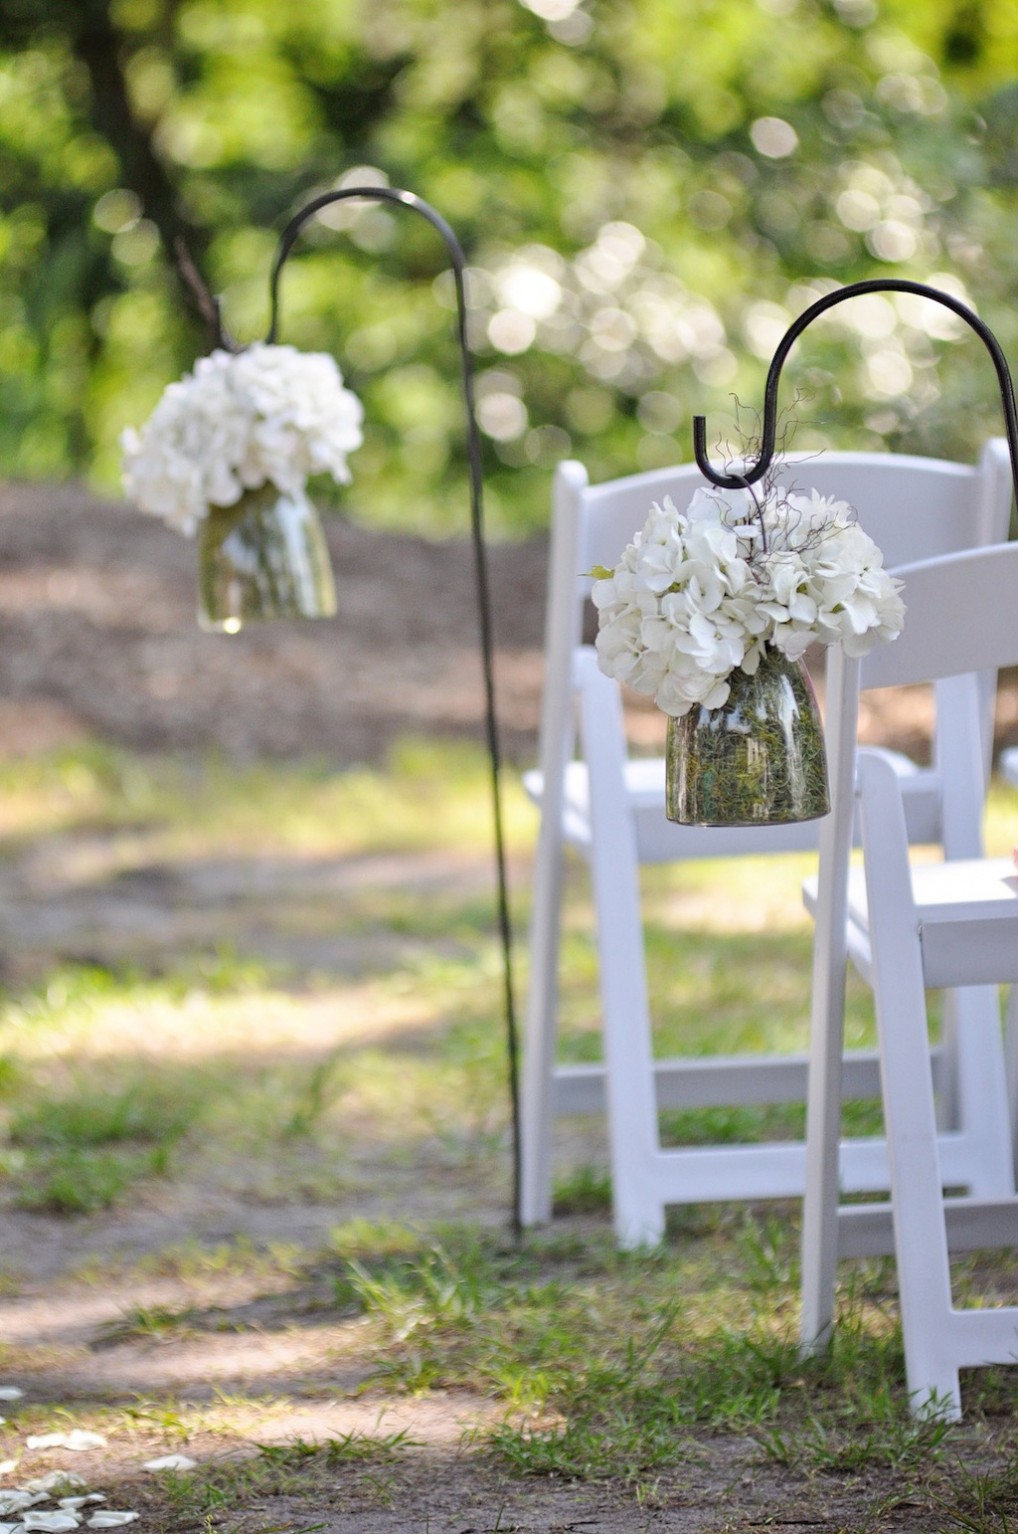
x: 700, y: 595
x: 228, y: 452
x: 265, y: 415
x: 710, y: 612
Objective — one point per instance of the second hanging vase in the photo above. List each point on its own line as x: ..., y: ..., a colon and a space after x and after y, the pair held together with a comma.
x: 757, y: 760
x: 264, y: 557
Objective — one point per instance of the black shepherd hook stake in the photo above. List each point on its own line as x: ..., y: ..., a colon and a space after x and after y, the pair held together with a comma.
x: 458, y: 261
x: 770, y: 411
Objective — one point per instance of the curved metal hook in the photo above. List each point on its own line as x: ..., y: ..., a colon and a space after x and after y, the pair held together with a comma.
x: 768, y: 435
x: 373, y: 194
x: 458, y: 261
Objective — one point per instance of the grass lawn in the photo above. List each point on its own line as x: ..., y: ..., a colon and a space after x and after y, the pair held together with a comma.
x: 254, y: 1174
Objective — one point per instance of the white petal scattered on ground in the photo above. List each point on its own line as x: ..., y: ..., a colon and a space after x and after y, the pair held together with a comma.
x: 67, y: 1480
x: 78, y: 1439
x: 74, y: 1502
x: 10, y: 1393
x: 109, y: 1518
x: 21, y: 1497
x: 11, y: 1528
x: 7, y: 1465
x: 170, y: 1462
x: 52, y: 1523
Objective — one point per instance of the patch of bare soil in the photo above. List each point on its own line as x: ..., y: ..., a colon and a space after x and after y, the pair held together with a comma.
x: 438, y: 1488
x: 98, y: 635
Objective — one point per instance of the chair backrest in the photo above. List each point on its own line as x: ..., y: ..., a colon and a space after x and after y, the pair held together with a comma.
x: 913, y: 508
x: 961, y: 624
x: 977, y: 591
x: 961, y: 619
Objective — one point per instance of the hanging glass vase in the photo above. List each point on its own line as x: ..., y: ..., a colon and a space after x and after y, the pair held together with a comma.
x: 757, y: 760
x: 263, y: 557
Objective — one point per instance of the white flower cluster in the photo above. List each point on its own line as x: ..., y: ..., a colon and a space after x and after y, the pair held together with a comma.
x: 240, y: 420
x: 697, y: 595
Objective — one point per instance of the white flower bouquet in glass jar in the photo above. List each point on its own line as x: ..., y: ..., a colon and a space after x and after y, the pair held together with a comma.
x: 710, y: 612
x: 228, y: 452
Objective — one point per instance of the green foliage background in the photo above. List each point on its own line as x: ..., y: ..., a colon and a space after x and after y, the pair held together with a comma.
x: 648, y: 190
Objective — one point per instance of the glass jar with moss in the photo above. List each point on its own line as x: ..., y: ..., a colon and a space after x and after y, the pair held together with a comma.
x: 759, y: 759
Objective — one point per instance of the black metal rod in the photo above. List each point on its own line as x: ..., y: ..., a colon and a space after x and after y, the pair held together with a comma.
x: 458, y: 262
x: 768, y: 434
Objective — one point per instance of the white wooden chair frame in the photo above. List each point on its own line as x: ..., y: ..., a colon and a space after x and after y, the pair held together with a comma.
x: 951, y: 506
x: 952, y: 924
x: 1009, y: 772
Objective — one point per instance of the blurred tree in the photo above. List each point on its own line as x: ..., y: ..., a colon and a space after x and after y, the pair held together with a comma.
x: 649, y: 190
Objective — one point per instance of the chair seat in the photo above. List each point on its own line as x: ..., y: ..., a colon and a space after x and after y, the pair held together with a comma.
x: 659, y: 841
x: 967, y: 914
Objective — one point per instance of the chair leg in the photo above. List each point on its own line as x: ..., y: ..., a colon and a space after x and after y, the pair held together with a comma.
x: 823, y: 1107
x: 632, y: 1098
x: 982, y: 1096
x: 917, y: 1200
x: 920, y: 1236
x: 562, y: 634
x: 541, y: 1031
x: 1011, y: 1068
x: 823, y: 1128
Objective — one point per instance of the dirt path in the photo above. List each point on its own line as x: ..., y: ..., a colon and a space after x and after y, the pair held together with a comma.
x: 97, y: 633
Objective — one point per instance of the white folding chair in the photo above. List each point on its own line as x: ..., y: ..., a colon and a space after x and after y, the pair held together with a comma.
x: 609, y: 808
x: 982, y: 1137
x: 1008, y: 765
x: 949, y: 924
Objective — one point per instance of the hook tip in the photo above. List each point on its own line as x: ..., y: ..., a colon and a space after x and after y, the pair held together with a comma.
x: 700, y: 447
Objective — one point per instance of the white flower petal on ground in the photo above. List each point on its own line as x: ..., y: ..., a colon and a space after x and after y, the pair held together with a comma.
x: 7, y: 1465
x: 10, y: 1393
x: 111, y: 1518
x: 67, y: 1480
x: 76, y: 1502
x: 78, y: 1440
x: 170, y: 1462
x: 52, y: 1523
x: 19, y: 1499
